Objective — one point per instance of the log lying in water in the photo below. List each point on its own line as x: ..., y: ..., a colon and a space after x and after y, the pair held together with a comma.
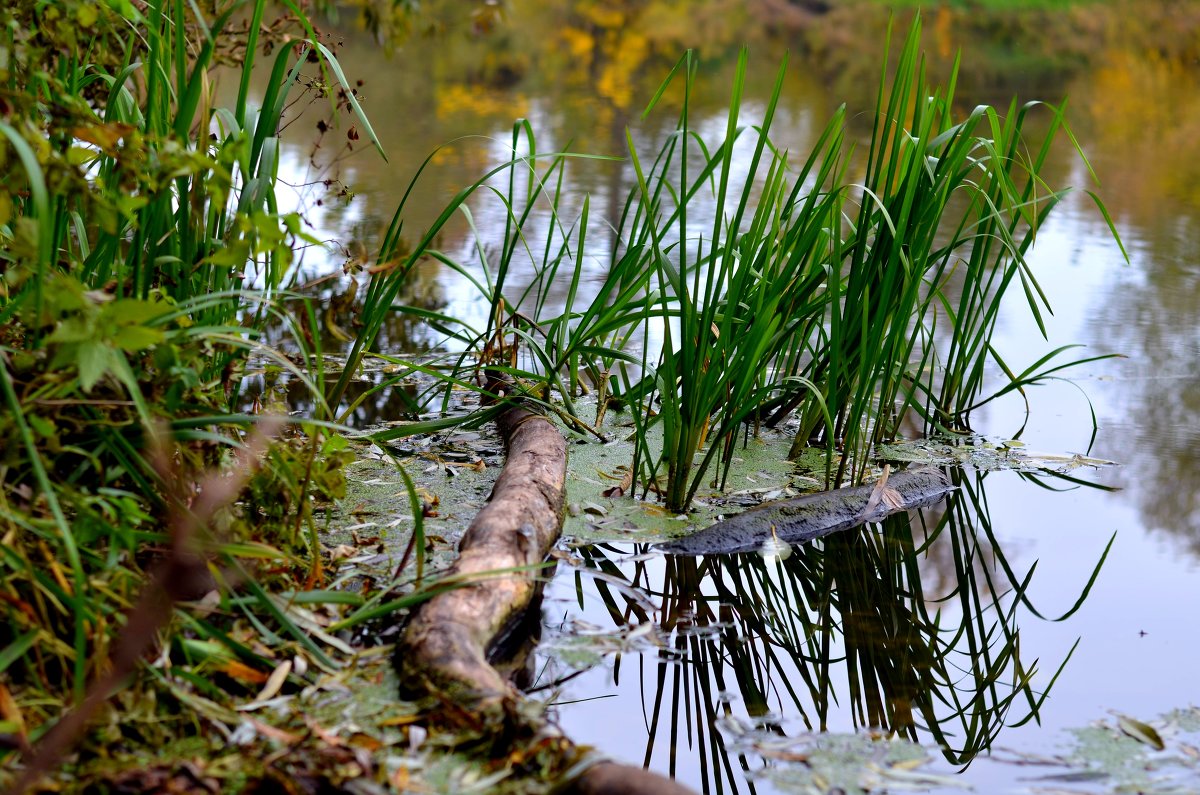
x: 444, y: 649
x: 814, y: 515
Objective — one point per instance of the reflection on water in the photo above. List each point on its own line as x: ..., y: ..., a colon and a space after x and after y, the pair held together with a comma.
x: 1152, y: 318
x: 1144, y: 118
x: 911, y: 626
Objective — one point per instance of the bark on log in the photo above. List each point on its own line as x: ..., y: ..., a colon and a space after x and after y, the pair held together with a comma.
x: 814, y: 515
x: 444, y: 646
x: 444, y: 649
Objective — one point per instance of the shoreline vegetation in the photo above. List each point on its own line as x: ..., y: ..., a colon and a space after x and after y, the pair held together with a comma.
x: 164, y: 569
x: 1003, y: 43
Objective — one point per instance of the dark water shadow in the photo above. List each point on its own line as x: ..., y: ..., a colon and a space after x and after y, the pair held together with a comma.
x: 909, y: 627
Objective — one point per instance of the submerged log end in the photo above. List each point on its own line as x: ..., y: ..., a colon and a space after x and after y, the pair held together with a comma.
x: 811, y: 516
x: 610, y: 778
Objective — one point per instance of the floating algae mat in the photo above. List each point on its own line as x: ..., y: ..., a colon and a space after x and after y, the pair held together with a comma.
x: 760, y: 472
x: 984, y: 455
x: 600, y: 511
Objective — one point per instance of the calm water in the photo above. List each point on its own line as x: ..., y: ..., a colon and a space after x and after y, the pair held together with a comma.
x: 730, y: 650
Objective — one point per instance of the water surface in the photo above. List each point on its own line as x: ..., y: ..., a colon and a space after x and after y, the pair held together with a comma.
x: 841, y: 635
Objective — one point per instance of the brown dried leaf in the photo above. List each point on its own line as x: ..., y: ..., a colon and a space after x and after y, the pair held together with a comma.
x: 105, y: 136
x: 366, y: 741
x: 892, y: 499
x: 243, y: 673
x: 323, y: 734
x: 624, y: 486
x: 399, y: 720
x: 11, y: 713
x: 341, y: 552
x: 273, y: 732
x: 1142, y: 732
x: 877, y: 492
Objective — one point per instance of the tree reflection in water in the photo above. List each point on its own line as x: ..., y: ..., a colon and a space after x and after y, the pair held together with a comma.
x: 841, y: 628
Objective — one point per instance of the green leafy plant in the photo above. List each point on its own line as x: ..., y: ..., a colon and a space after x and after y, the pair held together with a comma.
x: 142, y: 255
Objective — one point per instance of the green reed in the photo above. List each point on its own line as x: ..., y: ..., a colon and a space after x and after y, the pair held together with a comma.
x: 852, y: 303
x: 746, y: 285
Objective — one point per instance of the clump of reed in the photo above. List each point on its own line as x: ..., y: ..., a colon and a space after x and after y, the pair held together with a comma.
x: 852, y: 293
x: 852, y: 302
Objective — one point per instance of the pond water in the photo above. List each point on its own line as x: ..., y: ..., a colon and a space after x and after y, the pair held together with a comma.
x: 736, y: 655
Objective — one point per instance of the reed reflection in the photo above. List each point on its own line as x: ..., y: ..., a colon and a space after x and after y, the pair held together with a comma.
x: 842, y: 634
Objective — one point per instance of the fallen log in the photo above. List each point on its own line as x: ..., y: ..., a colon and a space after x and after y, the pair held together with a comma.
x: 445, y: 643
x: 445, y: 648
x: 811, y: 516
